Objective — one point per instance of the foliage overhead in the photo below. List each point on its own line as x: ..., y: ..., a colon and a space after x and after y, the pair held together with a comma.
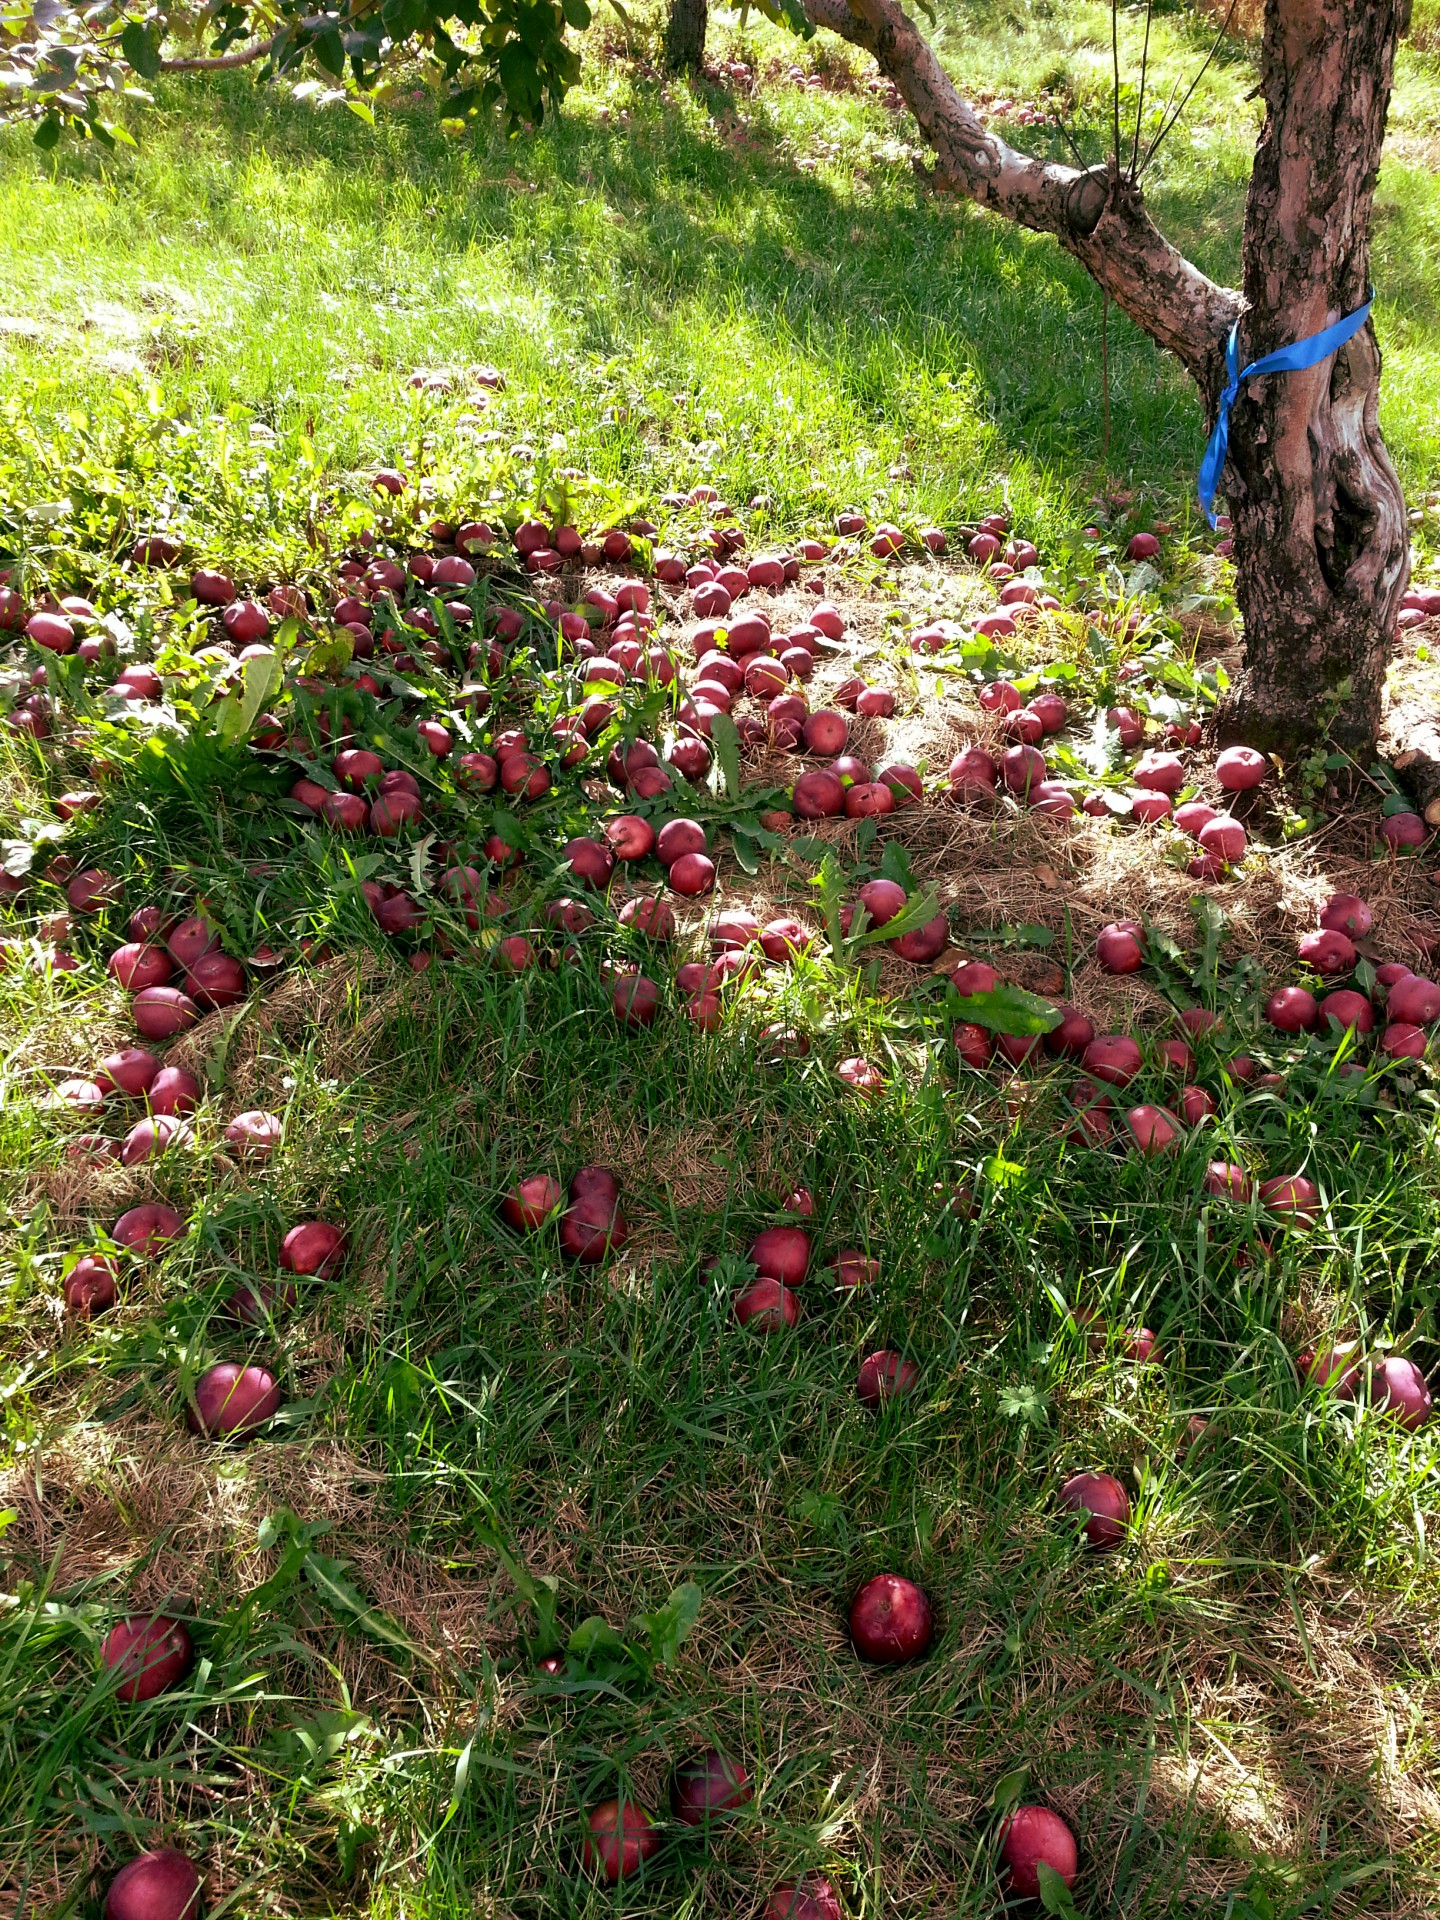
x: 67, y: 68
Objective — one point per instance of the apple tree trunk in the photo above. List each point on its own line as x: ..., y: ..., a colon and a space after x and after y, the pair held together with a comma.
x: 685, y: 35
x: 1320, y: 539
x: 1320, y: 532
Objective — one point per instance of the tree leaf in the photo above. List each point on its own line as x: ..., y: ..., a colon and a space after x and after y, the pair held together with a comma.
x: 141, y: 46
x: 1005, y: 1009
x: 726, y: 742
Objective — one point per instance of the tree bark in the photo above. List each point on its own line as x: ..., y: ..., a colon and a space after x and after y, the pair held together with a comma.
x: 1321, y: 546
x: 1320, y: 529
x: 685, y: 36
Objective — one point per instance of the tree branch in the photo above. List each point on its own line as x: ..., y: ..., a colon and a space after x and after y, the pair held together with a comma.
x: 1096, y: 214
x: 221, y: 62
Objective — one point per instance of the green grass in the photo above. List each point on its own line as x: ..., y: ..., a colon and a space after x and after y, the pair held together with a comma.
x: 667, y: 304
x: 1235, y: 1712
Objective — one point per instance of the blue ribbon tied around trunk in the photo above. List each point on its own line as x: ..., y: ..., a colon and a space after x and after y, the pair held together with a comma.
x: 1293, y: 359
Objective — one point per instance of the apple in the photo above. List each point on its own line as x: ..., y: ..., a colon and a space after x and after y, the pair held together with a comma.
x: 923, y: 944
x: 1347, y: 913
x: 1114, y: 1058
x: 1334, y: 1369
x: 708, y: 1785
x: 1346, y: 1009
x: 191, y: 939
x: 1153, y: 1129
x: 314, y: 1247
x: 160, y: 1885
x: 853, y: 1269
x: 1292, y: 1196
x: 1223, y: 838
x: 151, y: 1653
x: 1398, y: 1388
x: 826, y: 732
x: 885, y: 1375
x: 1195, y: 1105
x: 782, y: 1253
x: 767, y: 1304
x: 149, y: 1138
x: 1160, y: 772
x: 1415, y: 1000
x: 1239, y: 768
x: 1034, y: 1836
x: 1402, y: 1040
x: 1023, y: 768
x: 1291, y: 1010
x: 231, y: 1399
x: 891, y: 1620
x: 621, y: 1837
x: 819, y: 795
x: 1074, y: 1034
x: 972, y: 770
x: 810, y: 1898
x: 90, y: 1286
x: 629, y: 837
x: 1193, y: 815
x: 882, y: 901
x: 972, y: 1043
x: 145, y: 1229
x: 1327, y: 951
x: 137, y: 966
x: 1105, y: 1505
x: 130, y: 1072
x: 531, y: 1201
x: 1120, y: 947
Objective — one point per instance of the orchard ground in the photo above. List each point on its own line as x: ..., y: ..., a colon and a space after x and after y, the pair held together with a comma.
x: 743, y: 287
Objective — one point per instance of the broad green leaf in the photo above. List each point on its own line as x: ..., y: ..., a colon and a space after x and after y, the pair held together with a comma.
x: 1005, y: 1009
x: 141, y: 47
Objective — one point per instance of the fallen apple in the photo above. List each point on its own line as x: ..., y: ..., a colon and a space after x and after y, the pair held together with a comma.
x: 891, y: 1620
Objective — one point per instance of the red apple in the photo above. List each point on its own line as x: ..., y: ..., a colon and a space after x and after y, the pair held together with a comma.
x: 231, y: 1399
x: 531, y: 1201
x: 1239, y: 768
x: 891, y: 1620
x: 622, y: 1837
x: 767, y: 1304
x: 1105, y: 1504
x: 782, y: 1253
x: 314, y: 1247
x: 1398, y: 1388
x: 885, y: 1375
x: 150, y: 1652
x: 1292, y: 1196
x: 1347, y: 913
x: 160, y: 1885
x: 711, y: 1784
x: 129, y: 1072
x: 810, y: 1898
x: 1120, y: 947
x: 90, y: 1286
x: 137, y: 966
x: 145, y: 1229
x: 1033, y: 1837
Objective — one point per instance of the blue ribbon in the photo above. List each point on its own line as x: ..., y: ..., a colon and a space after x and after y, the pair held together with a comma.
x: 1304, y: 353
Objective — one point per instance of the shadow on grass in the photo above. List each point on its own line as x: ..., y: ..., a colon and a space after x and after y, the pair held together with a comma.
x: 634, y: 227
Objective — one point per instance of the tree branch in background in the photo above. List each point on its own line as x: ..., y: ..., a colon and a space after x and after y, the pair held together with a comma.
x: 1095, y: 213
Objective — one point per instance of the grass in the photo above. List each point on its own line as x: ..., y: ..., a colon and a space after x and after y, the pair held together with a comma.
x: 1235, y: 1712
